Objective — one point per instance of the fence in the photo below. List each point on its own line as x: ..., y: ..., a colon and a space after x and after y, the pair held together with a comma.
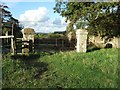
x: 16, y: 46
x: 11, y: 37
x: 42, y: 44
x: 54, y: 44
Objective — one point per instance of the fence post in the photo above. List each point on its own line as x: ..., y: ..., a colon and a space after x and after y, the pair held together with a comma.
x: 30, y: 46
x: 12, y: 46
x: 56, y: 42
x: 12, y: 41
x: 62, y: 44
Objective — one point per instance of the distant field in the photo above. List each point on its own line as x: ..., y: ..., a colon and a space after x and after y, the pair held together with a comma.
x: 95, y: 69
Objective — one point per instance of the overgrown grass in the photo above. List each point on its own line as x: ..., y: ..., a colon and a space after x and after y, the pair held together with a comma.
x: 97, y: 69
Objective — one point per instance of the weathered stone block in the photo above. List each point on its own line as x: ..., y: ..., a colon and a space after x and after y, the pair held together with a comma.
x: 81, y: 36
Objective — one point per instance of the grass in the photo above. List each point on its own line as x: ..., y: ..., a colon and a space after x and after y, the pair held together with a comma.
x: 97, y: 69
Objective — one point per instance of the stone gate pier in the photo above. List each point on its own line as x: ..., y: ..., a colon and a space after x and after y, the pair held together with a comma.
x: 28, y: 40
x: 81, y: 36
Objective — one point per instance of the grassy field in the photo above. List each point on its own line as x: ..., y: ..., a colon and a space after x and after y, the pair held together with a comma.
x: 95, y: 69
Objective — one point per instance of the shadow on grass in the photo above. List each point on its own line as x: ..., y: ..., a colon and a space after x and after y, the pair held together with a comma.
x: 25, y: 57
x: 93, y: 49
x: 28, y: 62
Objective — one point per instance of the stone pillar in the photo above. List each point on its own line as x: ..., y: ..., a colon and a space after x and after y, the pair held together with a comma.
x: 81, y: 36
x: 28, y: 40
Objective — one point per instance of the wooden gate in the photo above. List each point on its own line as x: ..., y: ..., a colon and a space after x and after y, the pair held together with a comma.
x: 24, y: 47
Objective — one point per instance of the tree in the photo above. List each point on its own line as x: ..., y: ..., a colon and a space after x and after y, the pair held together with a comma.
x: 87, y: 14
x: 7, y: 21
x: 73, y: 11
x: 106, y: 26
x: 10, y: 25
x: 5, y: 16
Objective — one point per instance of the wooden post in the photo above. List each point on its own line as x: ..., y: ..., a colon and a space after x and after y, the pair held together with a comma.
x: 30, y: 46
x: 0, y: 49
x: 12, y: 41
x: 56, y: 42
x: 6, y: 34
x: 12, y: 28
x: 12, y: 46
x: 62, y: 43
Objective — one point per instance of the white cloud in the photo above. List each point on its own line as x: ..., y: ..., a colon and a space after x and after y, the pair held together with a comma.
x: 41, y: 22
x: 39, y: 14
x: 57, y: 21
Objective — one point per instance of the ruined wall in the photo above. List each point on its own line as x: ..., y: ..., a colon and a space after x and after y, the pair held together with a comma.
x: 102, y: 42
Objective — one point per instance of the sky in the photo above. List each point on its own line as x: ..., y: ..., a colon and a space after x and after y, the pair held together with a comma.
x: 37, y: 15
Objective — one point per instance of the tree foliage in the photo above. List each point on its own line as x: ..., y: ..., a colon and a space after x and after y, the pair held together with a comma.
x: 8, y: 20
x: 91, y: 14
x: 106, y: 26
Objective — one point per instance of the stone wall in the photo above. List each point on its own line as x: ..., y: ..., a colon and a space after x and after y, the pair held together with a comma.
x: 103, y: 42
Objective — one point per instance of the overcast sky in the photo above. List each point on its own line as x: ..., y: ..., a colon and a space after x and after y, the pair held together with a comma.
x: 38, y: 15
